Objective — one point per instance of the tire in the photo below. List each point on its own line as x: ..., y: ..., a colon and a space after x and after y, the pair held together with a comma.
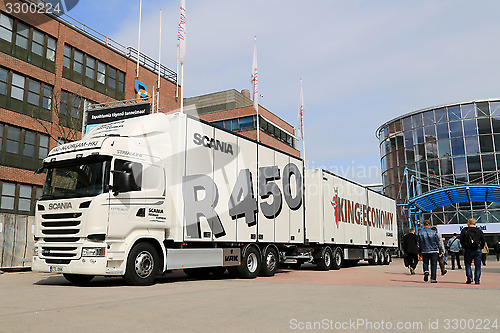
x: 381, y: 257
x: 324, y: 263
x: 374, y: 260
x: 250, y: 265
x: 270, y: 262
x: 78, y: 279
x: 142, y: 265
x: 387, y: 257
x: 338, y: 259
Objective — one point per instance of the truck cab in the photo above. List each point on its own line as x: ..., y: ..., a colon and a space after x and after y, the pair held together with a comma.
x: 100, y: 196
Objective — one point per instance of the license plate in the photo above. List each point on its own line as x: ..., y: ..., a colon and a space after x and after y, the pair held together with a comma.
x: 56, y: 269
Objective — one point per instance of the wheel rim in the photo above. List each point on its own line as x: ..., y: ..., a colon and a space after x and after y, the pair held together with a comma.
x: 252, y: 262
x: 338, y: 258
x: 328, y: 258
x: 144, y: 264
x: 271, y: 261
x: 375, y: 256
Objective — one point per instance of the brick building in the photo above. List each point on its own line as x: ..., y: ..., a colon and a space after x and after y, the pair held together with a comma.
x: 234, y: 111
x: 48, y: 66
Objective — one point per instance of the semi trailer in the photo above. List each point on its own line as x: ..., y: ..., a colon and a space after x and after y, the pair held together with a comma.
x: 143, y: 196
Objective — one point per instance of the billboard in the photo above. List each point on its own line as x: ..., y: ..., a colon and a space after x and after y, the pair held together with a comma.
x: 107, y: 115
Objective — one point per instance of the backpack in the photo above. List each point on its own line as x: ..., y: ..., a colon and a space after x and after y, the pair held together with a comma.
x: 472, y: 238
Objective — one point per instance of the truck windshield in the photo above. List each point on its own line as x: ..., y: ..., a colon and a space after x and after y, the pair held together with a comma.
x: 82, y: 177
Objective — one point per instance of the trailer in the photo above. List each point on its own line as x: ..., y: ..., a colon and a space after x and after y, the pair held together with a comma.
x: 142, y: 196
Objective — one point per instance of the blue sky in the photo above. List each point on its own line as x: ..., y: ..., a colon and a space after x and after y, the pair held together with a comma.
x: 362, y: 62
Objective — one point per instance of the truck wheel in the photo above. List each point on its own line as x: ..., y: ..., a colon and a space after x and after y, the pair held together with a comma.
x: 270, y: 262
x: 142, y: 265
x: 324, y: 263
x: 250, y: 265
x: 78, y: 279
x: 338, y: 258
x: 374, y: 260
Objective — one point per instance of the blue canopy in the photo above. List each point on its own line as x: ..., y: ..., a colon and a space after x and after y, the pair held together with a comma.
x: 456, y: 194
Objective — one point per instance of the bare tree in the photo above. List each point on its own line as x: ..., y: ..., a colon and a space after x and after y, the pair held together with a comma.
x: 63, y: 121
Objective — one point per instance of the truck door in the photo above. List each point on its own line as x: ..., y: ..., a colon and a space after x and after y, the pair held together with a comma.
x: 127, y: 209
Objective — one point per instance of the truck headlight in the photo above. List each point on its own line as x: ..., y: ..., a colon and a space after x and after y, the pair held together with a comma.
x: 93, y: 252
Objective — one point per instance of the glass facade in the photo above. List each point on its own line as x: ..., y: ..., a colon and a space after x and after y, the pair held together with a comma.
x: 445, y: 146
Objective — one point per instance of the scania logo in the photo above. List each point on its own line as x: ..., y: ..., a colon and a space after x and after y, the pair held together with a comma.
x: 60, y: 205
x: 205, y: 141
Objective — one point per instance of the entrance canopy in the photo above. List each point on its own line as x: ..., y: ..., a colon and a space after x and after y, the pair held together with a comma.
x: 456, y: 194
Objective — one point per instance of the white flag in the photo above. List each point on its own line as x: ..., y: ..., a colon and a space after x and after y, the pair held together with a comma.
x: 181, y: 33
x: 255, y: 80
x: 300, y: 116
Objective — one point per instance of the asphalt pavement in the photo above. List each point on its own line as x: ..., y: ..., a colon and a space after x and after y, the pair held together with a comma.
x: 356, y: 299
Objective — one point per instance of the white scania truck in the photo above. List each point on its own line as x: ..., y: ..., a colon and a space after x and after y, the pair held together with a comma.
x: 142, y: 196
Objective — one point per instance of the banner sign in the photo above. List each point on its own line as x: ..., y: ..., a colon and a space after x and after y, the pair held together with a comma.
x: 103, y: 116
x: 450, y: 229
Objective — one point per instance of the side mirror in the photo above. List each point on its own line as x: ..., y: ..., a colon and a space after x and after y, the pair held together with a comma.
x: 123, y: 181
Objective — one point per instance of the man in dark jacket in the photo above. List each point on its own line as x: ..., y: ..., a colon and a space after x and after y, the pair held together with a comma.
x: 472, y: 240
x: 430, y: 247
x: 410, y: 247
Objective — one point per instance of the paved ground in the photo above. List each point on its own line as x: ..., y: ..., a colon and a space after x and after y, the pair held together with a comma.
x: 358, y: 299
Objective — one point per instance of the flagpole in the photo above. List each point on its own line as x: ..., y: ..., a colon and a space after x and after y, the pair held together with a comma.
x: 302, y: 123
x: 255, y: 81
x: 182, y: 87
x: 139, y: 40
x: 181, y: 49
x: 159, y: 70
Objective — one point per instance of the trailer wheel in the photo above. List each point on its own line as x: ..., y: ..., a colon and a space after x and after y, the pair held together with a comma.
x: 338, y: 258
x: 270, y: 262
x: 142, y: 265
x: 78, y: 279
x: 324, y: 263
x: 250, y: 264
x: 374, y: 260
x: 387, y: 258
x: 381, y: 257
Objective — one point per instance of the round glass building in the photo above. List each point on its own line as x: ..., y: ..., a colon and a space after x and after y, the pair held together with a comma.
x: 443, y: 146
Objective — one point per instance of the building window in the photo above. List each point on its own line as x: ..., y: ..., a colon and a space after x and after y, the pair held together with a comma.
x: 22, y: 35
x: 13, y: 139
x: 25, y: 95
x: 97, y: 75
x: 6, y: 28
x: 24, y: 198
x: 8, y: 196
x: 17, y: 90
x: 23, y: 148
x: 28, y: 44
x: 18, y: 198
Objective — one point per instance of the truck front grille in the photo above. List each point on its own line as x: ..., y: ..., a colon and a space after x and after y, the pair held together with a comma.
x: 63, y: 225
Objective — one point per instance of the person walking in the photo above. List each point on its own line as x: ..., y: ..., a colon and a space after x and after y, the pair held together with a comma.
x: 484, y: 253
x: 441, y: 259
x: 472, y: 240
x: 430, y: 248
x: 410, y: 247
x: 497, y: 250
x: 454, y: 248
